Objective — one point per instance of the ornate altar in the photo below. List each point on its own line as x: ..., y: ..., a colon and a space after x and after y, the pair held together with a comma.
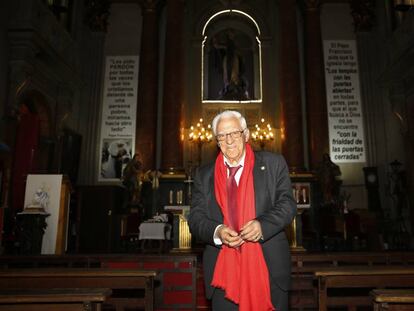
x: 303, y: 185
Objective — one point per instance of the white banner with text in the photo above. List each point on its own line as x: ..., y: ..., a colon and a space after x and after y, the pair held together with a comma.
x: 118, y: 123
x: 346, y: 128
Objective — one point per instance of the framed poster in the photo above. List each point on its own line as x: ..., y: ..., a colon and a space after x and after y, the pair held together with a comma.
x: 118, y: 119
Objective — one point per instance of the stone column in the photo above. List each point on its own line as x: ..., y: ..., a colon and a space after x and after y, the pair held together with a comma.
x: 292, y: 143
x: 410, y: 155
x: 92, y: 72
x: 92, y: 93
x: 172, y: 121
x: 317, y: 118
x: 146, y: 121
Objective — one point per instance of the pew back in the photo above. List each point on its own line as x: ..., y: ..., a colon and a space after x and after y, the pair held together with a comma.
x: 362, y: 277
x: 85, y: 278
x: 73, y: 299
x: 393, y: 299
x: 176, y: 278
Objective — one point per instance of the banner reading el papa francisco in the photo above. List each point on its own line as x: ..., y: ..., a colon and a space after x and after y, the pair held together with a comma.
x: 118, y: 125
x: 344, y: 105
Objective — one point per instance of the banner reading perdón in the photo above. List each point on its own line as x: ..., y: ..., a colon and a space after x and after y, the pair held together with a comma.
x: 118, y: 116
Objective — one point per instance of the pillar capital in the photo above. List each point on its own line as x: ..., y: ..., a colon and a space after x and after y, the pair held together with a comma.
x: 97, y: 14
x: 362, y: 12
x: 149, y: 6
x: 230, y: 3
x: 312, y: 5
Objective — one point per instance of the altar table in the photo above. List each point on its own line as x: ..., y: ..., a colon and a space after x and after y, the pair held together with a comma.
x: 154, y: 231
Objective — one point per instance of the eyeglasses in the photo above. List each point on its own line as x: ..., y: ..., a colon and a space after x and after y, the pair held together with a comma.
x: 233, y: 135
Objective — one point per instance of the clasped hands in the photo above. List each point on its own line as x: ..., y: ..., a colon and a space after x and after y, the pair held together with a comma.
x: 250, y: 232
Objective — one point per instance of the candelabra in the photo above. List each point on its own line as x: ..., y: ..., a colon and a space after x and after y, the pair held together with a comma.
x: 200, y: 135
x: 262, y: 134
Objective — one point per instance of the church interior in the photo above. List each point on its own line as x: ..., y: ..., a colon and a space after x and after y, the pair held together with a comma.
x: 105, y: 117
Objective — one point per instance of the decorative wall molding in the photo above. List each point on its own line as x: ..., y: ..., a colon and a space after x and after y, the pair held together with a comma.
x: 363, y: 13
x: 97, y: 14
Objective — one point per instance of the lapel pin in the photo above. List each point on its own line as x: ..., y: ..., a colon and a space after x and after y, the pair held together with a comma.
x: 263, y: 168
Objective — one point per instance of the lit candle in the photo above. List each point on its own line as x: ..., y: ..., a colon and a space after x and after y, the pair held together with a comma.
x: 304, y: 195
x: 171, y: 197
x: 297, y: 195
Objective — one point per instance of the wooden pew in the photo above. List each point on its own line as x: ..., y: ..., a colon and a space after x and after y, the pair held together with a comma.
x: 176, y: 286
x: 393, y: 299
x: 353, y: 277
x: 304, y: 293
x: 176, y: 278
x: 70, y: 299
x: 86, y: 278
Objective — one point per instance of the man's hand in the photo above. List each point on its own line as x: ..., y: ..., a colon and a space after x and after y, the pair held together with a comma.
x: 251, y: 231
x: 229, y: 237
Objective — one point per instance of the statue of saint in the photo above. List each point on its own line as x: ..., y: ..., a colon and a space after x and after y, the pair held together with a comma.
x: 230, y: 63
x: 328, y: 174
x: 132, y: 178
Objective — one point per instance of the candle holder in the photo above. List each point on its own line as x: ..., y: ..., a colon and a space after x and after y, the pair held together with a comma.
x: 263, y: 134
x: 200, y: 135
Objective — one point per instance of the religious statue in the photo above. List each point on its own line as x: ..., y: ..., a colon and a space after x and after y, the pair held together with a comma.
x: 39, y: 203
x: 328, y: 174
x: 42, y: 197
x: 230, y: 63
x: 132, y: 178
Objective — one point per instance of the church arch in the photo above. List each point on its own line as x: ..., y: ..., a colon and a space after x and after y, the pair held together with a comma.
x: 231, y: 60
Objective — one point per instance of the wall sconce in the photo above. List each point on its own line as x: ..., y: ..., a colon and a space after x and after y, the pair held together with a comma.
x: 401, y: 9
x: 262, y: 134
x: 200, y: 135
x: 403, y: 5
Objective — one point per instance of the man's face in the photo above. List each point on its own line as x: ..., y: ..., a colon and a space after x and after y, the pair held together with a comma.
x: 232, y: 148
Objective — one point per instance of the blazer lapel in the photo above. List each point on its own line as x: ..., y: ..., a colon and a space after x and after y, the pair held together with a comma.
x: 259, y: 175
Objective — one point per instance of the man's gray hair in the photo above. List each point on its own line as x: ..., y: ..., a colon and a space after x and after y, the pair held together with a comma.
x: 228, y: 114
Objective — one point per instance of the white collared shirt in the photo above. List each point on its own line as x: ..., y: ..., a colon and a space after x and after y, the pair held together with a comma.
x: 240, y: 171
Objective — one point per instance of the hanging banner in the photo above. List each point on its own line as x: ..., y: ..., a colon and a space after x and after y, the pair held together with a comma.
x: 118, y: 121
x: 346, y: 130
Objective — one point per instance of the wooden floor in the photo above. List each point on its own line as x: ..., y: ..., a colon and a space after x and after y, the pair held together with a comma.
x: 179, y: 285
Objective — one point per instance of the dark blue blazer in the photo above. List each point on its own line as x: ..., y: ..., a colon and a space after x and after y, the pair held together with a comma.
x: 275, y: 209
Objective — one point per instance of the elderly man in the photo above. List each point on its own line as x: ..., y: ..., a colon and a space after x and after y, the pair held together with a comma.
x: 241, y: 205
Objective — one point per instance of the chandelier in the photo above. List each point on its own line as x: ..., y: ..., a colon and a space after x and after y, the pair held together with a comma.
x: 200, y: 135
x: 263, y: 133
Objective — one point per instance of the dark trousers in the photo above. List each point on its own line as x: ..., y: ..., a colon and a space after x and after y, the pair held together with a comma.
x: 279, y: 300
x: 220, y: 303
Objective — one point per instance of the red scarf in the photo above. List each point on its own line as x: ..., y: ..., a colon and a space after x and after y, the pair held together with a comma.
x: 242, y: 273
